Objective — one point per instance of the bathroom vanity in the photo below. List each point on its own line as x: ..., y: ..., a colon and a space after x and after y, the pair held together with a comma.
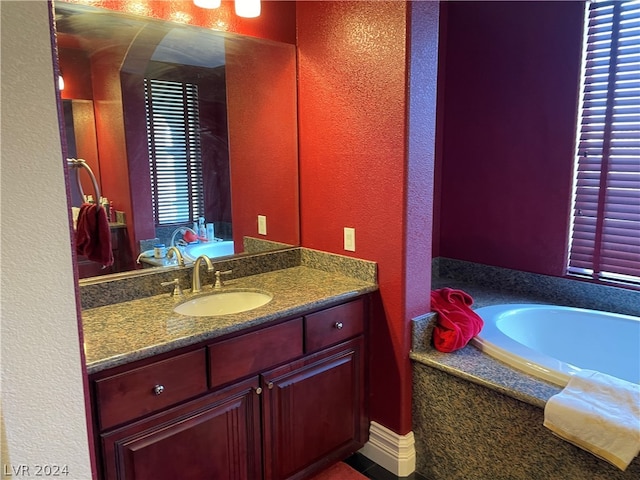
x: 274, y: 393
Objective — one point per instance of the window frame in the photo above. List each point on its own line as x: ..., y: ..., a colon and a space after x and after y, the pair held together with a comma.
x: 604, y: 241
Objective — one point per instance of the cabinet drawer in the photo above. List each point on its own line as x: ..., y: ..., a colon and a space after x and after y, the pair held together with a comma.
x: 333, y: 325
x: 150, y: 388
x: 253, y: 352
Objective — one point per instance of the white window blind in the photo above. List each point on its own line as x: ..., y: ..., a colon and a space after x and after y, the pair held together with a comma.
x: 175, y: 157
x: 605, y: 239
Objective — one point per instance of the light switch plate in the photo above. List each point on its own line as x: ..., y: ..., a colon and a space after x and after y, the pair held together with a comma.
x: 262, y: 224
x: 350, y: 239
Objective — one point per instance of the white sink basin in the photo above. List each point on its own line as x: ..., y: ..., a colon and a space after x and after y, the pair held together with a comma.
x: 223, y: 303
x: 210, y: 249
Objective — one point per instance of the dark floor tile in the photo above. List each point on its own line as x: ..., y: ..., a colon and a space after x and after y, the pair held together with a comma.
x: 378, y: 473
x: 359, y: 462
x: 374, y: 471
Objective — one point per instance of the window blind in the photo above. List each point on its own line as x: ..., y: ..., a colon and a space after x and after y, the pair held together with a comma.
x: 175, y: 156
x: 605, y: 238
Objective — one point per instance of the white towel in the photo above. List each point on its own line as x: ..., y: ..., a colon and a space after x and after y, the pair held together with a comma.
x: 598, y: 413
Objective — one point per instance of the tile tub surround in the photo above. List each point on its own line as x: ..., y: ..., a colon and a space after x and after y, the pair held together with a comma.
x: 538, y: 288
x: 127, y: 331
x: 466, y: 431
x: 475, y: 417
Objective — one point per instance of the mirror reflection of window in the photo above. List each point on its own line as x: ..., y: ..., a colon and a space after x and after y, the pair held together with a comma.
x: 188, y: 146
x: 175, y: 154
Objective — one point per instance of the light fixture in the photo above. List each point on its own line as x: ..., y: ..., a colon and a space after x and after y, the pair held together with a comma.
x: 207, y: 3
x: 248, y: 8
x: 60, y: 81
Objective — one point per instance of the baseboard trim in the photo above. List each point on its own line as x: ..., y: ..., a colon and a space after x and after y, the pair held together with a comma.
x: 396, y: 453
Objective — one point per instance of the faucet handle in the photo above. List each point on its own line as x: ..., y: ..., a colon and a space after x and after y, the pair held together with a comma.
x: 218, y: 274
x: 177, y: 291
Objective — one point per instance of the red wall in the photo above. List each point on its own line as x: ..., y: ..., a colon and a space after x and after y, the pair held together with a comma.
x: 263, y: 142
x: 76, y: 70
x: 509, y: 97
x: 354, y: 168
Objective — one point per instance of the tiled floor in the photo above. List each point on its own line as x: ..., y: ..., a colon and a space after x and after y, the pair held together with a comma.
x: 374, y: 471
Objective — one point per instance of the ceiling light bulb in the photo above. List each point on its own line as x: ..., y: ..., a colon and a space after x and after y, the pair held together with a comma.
x: 207, y: 3
x: 248, y: 8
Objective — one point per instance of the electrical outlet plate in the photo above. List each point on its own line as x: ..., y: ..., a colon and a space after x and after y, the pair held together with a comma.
x: 262, y: 225
x: 350, y: 239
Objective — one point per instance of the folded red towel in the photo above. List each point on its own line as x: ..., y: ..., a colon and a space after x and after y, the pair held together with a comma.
x: 457, y: 323
x: 93, y: 236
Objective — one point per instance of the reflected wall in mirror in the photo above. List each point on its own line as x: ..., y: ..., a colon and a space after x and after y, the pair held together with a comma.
x: 188, y: 123
x: 80, y: 130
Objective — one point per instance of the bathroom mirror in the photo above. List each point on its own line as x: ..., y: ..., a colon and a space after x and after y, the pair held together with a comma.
x: 119, y: 68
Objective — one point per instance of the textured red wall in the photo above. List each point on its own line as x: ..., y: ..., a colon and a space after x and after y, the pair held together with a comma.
x: 263, y: 142
x: 110, y: 127
x: 353, y: 171
x: 510, y: 101
x: 74, y: 65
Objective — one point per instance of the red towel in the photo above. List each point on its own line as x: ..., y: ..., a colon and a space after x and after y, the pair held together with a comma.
x: 93, y: 236
x: 456, y: 323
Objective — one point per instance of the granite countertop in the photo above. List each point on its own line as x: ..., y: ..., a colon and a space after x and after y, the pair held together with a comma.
x: 123, y: 332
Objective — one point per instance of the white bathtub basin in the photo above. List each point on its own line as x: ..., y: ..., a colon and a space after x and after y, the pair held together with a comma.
x: 554, y: 342
x: 223, y: 303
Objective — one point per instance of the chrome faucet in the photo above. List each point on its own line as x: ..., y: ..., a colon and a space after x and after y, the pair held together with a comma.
x: 173, y: 250
x: 197, y: 286
x: 182, y: 231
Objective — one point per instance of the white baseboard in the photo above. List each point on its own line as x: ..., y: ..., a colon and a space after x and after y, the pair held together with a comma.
x: 396, y: 453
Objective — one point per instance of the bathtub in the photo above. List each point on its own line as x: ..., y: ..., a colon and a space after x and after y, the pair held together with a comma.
x: 552, y: 342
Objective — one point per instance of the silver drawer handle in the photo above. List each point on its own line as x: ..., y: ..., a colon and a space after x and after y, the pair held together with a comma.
x: 259, y: 390
x: 158, y: 389
x: 339, y: 325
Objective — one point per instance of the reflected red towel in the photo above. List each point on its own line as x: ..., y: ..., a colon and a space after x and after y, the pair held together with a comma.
x: 93, y: 236
x: 457, y: 323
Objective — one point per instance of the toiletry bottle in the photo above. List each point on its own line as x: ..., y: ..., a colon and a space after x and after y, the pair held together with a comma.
x: 210, y: 233
x: 105, y: 204
x: 202, y: 231
x: 159, y: 250
x: 112, y: 213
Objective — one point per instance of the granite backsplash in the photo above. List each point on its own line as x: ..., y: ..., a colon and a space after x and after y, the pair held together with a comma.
x: 101, y: 291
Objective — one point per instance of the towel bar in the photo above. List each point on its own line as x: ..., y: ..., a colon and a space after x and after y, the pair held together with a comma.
x: 80, y: 163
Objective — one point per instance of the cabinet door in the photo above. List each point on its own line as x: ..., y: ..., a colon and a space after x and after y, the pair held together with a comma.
x: 215, y: 437
x: 314, y: 411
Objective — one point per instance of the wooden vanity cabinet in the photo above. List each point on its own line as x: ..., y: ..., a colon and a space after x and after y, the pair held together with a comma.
x: 277, y: 403
x: 214, y: 437
x: 314, y: 411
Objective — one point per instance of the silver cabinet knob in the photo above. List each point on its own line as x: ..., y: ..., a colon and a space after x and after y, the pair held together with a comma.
x: 259, y: 390
x: 158, y: 389
x: 270, y: 385
x: 339, y: 325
